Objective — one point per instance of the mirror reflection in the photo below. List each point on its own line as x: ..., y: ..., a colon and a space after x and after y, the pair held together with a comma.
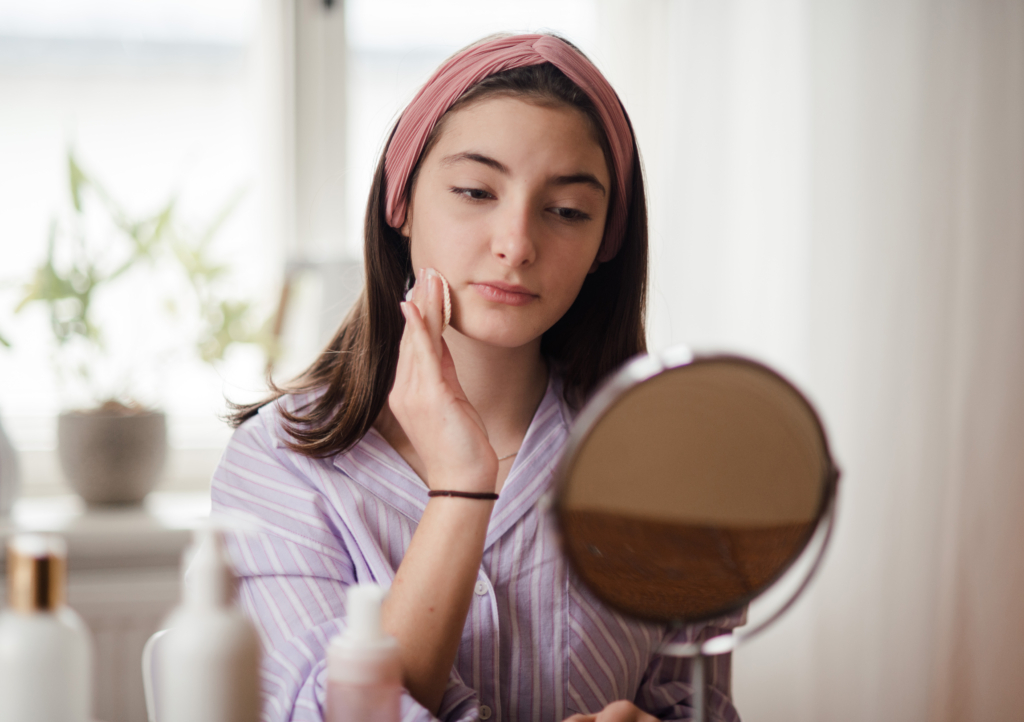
x: 693, y: 490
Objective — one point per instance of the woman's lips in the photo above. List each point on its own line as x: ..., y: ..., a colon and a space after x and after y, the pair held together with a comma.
x: 504, y: 293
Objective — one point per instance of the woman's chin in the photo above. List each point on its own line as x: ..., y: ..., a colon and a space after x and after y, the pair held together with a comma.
x: 498, y: 335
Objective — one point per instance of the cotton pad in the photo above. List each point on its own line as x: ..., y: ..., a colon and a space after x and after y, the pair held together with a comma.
x: 447, y: 301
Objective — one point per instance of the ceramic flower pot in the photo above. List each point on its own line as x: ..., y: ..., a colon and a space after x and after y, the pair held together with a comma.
x: 113, y: 454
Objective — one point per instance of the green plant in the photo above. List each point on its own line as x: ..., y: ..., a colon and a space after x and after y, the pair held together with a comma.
x: 99, y: 246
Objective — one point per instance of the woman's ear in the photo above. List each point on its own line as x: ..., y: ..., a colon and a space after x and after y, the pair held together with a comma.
x: 406, y: 230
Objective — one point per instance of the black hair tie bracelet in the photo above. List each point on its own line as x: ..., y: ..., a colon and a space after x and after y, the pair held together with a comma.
x: 487, y: 495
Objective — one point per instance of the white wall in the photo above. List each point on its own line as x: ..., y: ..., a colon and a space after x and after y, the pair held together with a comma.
x: 837, y: 187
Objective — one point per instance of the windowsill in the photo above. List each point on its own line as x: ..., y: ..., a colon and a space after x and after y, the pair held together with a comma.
x: 187, y: 470
x: 152, y: 534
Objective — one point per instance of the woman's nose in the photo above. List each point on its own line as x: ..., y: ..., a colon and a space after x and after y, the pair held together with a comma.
x: 512, y: 240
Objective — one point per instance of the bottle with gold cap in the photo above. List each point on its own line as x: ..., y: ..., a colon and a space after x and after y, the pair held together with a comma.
x: 45, y: 650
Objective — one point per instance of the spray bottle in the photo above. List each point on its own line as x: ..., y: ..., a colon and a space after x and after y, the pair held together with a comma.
x: 45, y: 649
x: 208, y: 662
x: 364, y: 672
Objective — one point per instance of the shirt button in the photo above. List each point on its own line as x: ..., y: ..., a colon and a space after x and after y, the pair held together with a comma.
x: 481, y: 589
x: 485, y: 712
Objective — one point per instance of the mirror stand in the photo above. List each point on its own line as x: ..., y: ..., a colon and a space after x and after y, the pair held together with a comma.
x: 691, y: 485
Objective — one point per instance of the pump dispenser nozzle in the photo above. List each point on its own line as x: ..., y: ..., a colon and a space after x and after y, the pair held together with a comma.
x: 208, y: 579
x: 364, y: 602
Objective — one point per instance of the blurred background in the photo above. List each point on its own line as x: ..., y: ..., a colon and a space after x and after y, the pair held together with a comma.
x: 836, y: 187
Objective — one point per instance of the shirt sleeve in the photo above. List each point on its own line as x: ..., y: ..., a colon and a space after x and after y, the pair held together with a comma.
x: 293, y: 567
x: 666, y: 690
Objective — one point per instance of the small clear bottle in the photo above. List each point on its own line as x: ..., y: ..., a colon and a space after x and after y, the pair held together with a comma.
x: 45, y: 648
x: 364, y: 672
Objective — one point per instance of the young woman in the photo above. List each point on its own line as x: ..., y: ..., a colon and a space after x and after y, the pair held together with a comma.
x: 417, y: 454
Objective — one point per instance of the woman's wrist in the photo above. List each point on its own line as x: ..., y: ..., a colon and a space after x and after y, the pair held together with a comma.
x: 474, y: 482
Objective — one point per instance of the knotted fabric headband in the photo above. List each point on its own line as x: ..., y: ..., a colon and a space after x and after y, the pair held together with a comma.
x: 465, y: 70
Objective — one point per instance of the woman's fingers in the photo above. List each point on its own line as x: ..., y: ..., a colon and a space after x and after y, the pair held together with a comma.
x: 419, y: 353
x: 619, y: 711
x: 429, y: 403
x: 623, y: 711
x: 428, y: 295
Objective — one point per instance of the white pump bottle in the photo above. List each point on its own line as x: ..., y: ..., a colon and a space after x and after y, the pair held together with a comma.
x: 208, y: 662
x: 364, y: 672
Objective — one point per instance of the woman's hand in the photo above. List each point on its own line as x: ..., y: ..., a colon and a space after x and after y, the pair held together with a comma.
x: 620, y: 711
x: 428, y: 401
x: 426, y: 607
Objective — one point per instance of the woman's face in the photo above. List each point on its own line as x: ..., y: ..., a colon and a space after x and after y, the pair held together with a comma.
x: 509, y: 205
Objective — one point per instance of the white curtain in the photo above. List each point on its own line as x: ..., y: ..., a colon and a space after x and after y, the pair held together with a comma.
x: 837, y: 186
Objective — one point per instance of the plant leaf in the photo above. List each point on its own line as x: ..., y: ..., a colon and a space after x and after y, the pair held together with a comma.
x: 77, y: 179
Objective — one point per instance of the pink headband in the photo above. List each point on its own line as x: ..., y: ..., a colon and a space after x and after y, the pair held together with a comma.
x: 466, y: 69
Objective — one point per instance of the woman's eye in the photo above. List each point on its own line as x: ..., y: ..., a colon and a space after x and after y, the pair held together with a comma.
x: 475, y: 194
x: 570, y: 214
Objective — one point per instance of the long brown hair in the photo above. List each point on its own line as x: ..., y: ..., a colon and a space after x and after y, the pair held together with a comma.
x: 351, y: 378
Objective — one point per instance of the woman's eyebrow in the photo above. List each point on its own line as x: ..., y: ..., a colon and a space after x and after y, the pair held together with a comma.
x: 450, y: 160
x: 585, y: 178
x: 563, y: 180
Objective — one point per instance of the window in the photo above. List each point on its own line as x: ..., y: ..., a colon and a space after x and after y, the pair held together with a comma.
x: 198, y: 100
x: 157, y: 101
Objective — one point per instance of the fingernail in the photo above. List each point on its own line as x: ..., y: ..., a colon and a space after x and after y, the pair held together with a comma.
x: 408, y: 294
x: 431, y: 273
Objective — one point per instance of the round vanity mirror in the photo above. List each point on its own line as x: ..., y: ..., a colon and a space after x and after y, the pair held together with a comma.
x: 689, y: 485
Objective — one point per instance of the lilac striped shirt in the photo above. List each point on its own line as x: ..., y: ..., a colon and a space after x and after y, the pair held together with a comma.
x: 536, y: 645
